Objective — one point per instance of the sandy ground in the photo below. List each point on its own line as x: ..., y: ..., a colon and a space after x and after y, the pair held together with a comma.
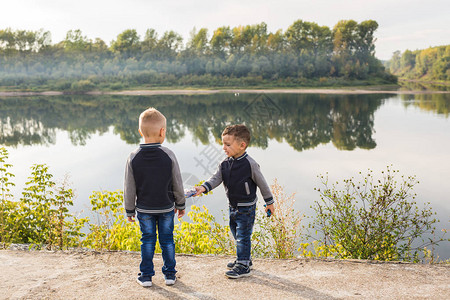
x: 112, y: 275
x: 240, y: 91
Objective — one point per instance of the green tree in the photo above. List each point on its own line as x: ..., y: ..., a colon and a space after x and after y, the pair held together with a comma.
x: 7, y: 40
x: 169, y: 45
x: 309, y: 38
x: 408, y: 61
x: 365, y: 42
x: 198, y: 42
x: 394, y: 63
x: 75, y: 41
x: 425, y: 64
x: 259, y: 39
x: 276, y: 41
x: 150, y: 41
x: 345, y: 36
x: 220, y: 41
x: 441, y: 68
x: 99, y: 46
x: 344, y: 42
x: 127, y: 43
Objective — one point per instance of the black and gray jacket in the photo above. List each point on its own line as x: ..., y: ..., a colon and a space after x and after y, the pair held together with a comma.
x: 240, y: 178
x: 153, y: 181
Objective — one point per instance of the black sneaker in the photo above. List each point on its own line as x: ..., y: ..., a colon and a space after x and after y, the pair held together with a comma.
x: 170, y: 279
x: 231, y: 265
x: 144, y: 280
x: 238, y: 271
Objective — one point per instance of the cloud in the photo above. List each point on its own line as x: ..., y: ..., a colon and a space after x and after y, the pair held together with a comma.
x: 417, y: 35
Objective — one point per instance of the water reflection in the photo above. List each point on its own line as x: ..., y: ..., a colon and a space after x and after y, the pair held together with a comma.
x: 423, y: 86
x: 303, y: 121
x: 437, y: 103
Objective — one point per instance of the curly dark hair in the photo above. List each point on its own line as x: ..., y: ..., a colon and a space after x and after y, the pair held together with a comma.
x: 239, y: 131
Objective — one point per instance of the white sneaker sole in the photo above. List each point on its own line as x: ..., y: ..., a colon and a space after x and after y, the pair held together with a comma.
x: 170, y: 281
x: 145, y: 283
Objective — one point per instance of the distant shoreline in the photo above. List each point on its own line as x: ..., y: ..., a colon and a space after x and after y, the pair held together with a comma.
x: 216, y: 91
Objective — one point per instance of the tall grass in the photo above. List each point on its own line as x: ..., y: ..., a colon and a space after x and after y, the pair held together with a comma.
x: 278, y: 235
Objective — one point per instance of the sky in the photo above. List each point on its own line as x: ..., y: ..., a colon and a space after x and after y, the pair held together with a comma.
x: 403, y: 24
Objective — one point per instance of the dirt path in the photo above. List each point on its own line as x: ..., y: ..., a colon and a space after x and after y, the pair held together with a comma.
x: 90, y: 275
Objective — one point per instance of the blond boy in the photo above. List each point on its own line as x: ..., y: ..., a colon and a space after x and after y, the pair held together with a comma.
x: 153, y: 189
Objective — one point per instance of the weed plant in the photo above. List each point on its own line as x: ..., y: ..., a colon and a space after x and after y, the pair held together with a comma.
x: 277, y: 236
x: 41, y: 217
x: 373, y: 218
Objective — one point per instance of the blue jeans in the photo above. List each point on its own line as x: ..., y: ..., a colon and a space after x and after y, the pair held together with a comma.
x: 242, y: 219
x: 148, y: 223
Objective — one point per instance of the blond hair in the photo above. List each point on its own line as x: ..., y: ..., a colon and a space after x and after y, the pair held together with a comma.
x: 151, y: 121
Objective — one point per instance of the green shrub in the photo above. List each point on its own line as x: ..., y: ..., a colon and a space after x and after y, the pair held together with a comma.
x: 41, y: 217
x: 373, y: 219
x: 7, y: 207
x: 203, y: 235
x: 82, y: 86
x: 63, y: 85
x: 112, y: 231
x: 116, y: 86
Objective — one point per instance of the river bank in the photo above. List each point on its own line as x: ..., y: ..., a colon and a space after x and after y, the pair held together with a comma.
x: 112, y: 275
x: 343, y: 91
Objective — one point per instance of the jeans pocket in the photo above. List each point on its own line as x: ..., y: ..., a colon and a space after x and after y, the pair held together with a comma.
x: 143, y: 216
x: 246, y: 210
x: 169, y: 214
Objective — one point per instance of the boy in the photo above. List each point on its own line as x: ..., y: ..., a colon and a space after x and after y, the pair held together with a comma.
x: 154, y: 189
x: 240, y: 175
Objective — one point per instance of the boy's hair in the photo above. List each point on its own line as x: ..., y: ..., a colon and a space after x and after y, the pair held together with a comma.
x: 239, y: 131
x: 151, y: 121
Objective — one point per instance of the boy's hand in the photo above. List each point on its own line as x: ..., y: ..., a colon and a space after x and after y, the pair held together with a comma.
x: 131, y: 219
x: 271, y: 207
x: 199, y: 189
x: 180, y: 212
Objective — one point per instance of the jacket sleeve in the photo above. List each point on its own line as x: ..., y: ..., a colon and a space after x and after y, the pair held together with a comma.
x: 177, y: 185
x: 260, y: 181
x: 214, y: 181
x: 129, y: 190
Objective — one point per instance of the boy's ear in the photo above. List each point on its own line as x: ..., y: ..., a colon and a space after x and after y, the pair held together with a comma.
x: 140, y: 132
x: 162, y: 131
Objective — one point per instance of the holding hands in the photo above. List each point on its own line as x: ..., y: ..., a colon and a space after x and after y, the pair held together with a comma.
x: 199, y: 189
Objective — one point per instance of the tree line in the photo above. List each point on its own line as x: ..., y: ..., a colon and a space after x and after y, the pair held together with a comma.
x: 304, y: 54
x: 427, y: 64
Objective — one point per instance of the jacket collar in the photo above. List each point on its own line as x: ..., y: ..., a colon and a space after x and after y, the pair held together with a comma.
x: 240, y: 157
x: 150, y: 145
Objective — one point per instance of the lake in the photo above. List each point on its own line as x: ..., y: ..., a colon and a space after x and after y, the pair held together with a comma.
x: 295, y: 137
